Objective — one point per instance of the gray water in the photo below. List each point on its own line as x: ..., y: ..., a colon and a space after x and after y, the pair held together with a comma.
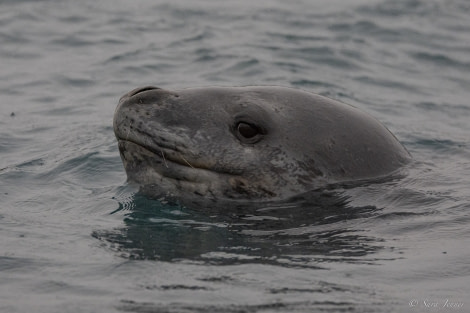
x: 76, y: 237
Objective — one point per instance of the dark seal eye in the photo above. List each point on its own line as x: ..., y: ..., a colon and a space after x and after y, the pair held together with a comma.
x: 247, y: 130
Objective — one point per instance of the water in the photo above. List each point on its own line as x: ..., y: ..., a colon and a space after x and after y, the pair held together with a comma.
x: 77, y: 238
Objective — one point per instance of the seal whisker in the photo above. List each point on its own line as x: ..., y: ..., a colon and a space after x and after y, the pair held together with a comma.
x: 161, y: 151
x: 128, y: 132
x: 148, y: 142
x: 163, y: 157
x: 186, y: 161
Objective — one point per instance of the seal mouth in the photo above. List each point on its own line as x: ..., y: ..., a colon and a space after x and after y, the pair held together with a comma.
x: 172, y: 162
x: 167, y: 155
x: 152, y: 166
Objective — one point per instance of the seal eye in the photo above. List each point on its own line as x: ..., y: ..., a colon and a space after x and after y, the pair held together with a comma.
x: 247, y: 131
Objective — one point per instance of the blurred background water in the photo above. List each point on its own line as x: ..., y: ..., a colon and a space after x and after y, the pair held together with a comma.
x: 76, y: 238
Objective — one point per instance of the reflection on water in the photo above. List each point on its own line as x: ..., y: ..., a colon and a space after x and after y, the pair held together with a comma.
x: 305, y: 231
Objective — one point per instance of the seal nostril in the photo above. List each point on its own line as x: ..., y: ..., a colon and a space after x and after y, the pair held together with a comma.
x: 141, y: 89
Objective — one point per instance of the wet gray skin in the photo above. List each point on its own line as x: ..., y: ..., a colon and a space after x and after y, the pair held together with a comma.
x: 248, y: 142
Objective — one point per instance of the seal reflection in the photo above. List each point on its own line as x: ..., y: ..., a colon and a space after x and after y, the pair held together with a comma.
x: 304, y: 231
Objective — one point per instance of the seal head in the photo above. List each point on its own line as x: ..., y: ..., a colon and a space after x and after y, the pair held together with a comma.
x: 255, y: 142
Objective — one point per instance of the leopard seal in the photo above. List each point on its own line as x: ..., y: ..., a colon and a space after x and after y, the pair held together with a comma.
x: 248, y: 143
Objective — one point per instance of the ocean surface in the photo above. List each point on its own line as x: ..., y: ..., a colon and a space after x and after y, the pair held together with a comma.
x: 76, y: 237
